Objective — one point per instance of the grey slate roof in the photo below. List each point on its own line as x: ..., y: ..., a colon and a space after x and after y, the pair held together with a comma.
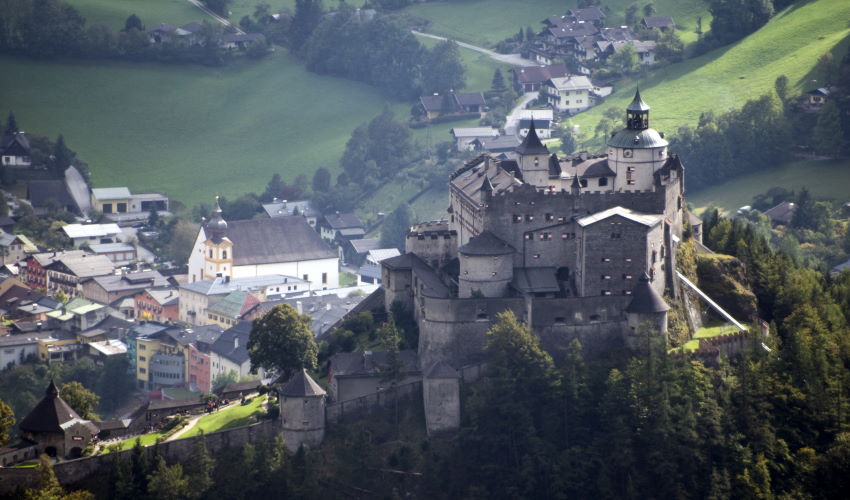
x: 39, y: 193
x: 645, y: 299
x: 131, y: 281
x: 637, y: 139
x: 486, y: 244
x: 343, y: 221
x: 535, y: 280
x: 301, y: 385
x: 782, y: 213
x: 637, y: 103
x: 657, y: 21
x: 224, y: 345
x: 49, y: 414
x: 365, y: 244
x: 206, y: 334
x: 470, y: 99
x: 273, y: 240
x: 597, y: 167
x: 539, y: 74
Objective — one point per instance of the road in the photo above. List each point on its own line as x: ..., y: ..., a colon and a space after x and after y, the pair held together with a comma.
x: 512, y: 59
x: 512, y: 120
x: 225, y: 22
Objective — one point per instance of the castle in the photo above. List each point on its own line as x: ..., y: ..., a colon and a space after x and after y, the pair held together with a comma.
x: 580, y: 247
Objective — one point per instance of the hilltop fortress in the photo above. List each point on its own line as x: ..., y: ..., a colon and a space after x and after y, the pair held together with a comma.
x: 580, y: 247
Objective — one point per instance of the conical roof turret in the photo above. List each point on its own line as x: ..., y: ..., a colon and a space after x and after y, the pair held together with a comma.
x: 645, y: 299
x: 637, y: 103
x: 217, y: 225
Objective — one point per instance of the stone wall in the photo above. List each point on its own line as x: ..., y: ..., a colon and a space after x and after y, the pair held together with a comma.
x: 355, y: 409
x: 72, y: 471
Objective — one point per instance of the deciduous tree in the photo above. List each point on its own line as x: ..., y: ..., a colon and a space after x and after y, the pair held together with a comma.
x: 82, y: 400
x: 282, y: 341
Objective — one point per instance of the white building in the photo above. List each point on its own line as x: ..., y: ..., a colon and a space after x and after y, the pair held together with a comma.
x: 570, y: 94
x: 259, y: 247
x: 465, y: 136
x: 92, y: 234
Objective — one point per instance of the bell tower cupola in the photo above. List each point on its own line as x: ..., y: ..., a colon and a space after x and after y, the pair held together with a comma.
x: 637, y: 113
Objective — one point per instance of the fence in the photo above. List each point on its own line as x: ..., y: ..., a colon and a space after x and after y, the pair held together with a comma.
x: 355, y: 409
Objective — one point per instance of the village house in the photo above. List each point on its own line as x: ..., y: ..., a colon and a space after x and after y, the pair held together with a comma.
x: 817, y: 98
x: 15, y: 150
x: 356, y: 250
x: 241, y: 41
x: 120, y: 254
x: 325, y: 311
x: 119, y: 205
x: 157, y: 304
x: 14, y: 248
x: 79, y: 314
x: 531, y: 78
x: 465, y: 136
x: 543, y: 122
x: 570, y: 94
x: 91, y: 234
x: 230, y: 309
x: 456, y: 102
x: 660, y: 23
x: 502, y: 145
x: 175, y: 357
x: 370, y: 271
x: 47, y: 195
x: 197, y: 297
x: 341, y: 227
x: 16, y: 349
x: 229, y: 353
x: 67, y: 273
x: 782, y: 213
x: 107, y: 289
x: 284, y: 208
x: 257, y: 247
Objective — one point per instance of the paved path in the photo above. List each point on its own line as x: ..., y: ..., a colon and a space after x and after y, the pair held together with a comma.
x: 215, y: 16
x: 512, y: 59
x: 512, y: 120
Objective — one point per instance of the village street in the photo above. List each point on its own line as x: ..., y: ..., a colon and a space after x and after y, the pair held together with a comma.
x: 512, y: 59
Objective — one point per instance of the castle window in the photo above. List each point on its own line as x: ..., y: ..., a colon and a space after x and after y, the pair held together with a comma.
x: 535, y: 256
x: 517, y: 218
x: 606, y: 276
x: 627, y: 276
x: 595, y: 317
x: 494, y: 273
x: 628, y: 259
x: 603, y: 181
x: 606, y: 292
x: 546, y: 236
x: 630, y: 182
x: 549, y: 217
x: 528, y: 236
x: 482, y: 316
x: 606, y: 259
x: 562, y: 219
x: 536, y: 161
x: 662, y: 251
x: 447, y: 236
x: 420, y: 237
x: 560, y: 319
x: 529, y: 218
x: 224, y: 254
x: 654, y: 256
x: 583, y: 183
x: 211, y: 253
x: 616, y: 236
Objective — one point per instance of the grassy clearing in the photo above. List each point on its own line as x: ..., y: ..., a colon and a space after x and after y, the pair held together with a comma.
x: 113, y: 13
x: 486, y: 22
x: 186, y: 130
x: 725, y: 78
x: 235, y: 416
x: 347, y: 279
x: 824, y: 179
x: 146, y: 440
x: 479, y: 68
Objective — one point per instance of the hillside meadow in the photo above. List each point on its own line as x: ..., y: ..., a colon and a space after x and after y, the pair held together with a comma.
x: 825, y: 179
x: 486, y: 22
x: 725, y: 78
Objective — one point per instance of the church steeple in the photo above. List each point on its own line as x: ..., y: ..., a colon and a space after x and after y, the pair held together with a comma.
x: 637, y: 113
x: 217, y: 225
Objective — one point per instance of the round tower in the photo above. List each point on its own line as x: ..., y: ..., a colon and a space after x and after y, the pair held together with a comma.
x: 302, y: 411
x: 646, y: 310
x: 637, y: 151
x: 486, y: 266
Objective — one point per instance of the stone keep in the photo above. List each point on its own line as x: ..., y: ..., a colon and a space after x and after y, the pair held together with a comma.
x: 646, y: 310
x: 441, y: 394
x: 302, y: 410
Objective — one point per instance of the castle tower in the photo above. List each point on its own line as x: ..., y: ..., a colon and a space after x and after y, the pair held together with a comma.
x: 441, y: 394
x: 302, y: 411
x: 56, y: 428
x: 637, y: 151
x: 533, y: 159
x: 647, y: 309
x: 217, y: 249
x: 486, y: 266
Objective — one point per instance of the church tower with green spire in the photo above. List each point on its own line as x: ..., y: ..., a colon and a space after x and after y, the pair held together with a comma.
x: 636, y: 152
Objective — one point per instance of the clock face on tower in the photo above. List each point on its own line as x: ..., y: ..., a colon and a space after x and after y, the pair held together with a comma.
x: 627, y: 153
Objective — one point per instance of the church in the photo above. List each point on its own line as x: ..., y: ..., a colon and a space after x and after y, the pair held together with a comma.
x: 259, y: 247
x: 578, y: 247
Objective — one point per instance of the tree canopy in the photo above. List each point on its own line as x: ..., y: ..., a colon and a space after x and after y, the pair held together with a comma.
x: 282, y: 341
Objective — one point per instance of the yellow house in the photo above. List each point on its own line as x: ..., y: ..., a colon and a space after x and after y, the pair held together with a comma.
x: 111, y: 200
x: 60, y: 346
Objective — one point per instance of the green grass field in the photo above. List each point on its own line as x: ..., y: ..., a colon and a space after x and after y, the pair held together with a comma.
x: 146, y: 440
x: 192, y: 131
x: 479, y: 68
x: 726, y: 78
x: 113, y: 13
x: 234, y: 416
x: 486, y: 22
x: 824, y: 179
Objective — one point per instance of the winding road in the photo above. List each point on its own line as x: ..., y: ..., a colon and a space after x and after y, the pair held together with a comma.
x: 215, y: 16
x: 512, y: 59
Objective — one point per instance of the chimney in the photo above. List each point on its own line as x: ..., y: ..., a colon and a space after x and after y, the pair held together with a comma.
x: 299, y: 306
